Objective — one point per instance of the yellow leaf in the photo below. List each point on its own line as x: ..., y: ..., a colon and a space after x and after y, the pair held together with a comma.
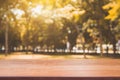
x: 113, y: 12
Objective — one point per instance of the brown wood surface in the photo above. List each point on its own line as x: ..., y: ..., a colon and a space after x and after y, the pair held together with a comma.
x: 30, y: 65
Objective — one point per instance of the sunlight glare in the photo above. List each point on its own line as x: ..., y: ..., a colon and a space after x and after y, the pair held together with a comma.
x: 37, y: 10
x: 18, y: 13
x: 74, y: 0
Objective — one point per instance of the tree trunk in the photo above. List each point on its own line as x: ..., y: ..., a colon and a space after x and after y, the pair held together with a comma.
x: 101, y: 48
x: 6, y: 40
x: 84, y: 51
x: 100, y: 33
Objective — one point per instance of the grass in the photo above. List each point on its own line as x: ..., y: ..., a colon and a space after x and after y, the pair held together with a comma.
x: 80, y: 55
x: 64, y: 56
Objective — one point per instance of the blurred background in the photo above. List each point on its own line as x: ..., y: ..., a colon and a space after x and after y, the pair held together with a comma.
x: 60, y: 26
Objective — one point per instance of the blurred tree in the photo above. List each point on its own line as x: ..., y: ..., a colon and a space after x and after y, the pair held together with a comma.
x: 113, y: 8
x: 43, y: 22
x: 7, y: 19
x: 94, y: 12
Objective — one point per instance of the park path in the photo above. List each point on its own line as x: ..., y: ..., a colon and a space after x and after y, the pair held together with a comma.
x: 43, y: 65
